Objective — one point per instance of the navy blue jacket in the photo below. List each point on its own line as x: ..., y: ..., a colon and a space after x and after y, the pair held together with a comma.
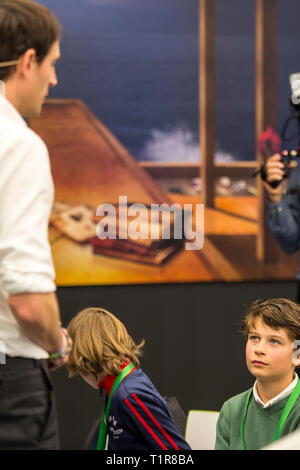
x: 139, y: 418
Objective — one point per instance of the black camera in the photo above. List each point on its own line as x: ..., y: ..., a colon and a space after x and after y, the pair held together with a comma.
x: 287, y: 156
x: 295, y: 89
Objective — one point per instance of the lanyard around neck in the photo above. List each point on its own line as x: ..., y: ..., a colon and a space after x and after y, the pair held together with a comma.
x: 103, y: 426
x: 286, y: 411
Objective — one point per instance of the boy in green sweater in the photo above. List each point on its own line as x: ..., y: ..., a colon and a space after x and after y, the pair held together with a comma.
x: 271, y: 409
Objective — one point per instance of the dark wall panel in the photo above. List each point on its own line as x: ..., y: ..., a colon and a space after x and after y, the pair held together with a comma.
x: 194, y: 349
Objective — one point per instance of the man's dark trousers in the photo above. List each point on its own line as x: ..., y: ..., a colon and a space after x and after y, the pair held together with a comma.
x: 28, y: 417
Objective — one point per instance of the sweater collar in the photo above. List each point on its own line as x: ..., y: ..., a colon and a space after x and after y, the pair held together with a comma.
x: 287, y: 391
x: 108, y: 381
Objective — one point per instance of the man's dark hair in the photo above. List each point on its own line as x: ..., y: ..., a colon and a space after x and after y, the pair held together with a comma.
x: 24, y: 25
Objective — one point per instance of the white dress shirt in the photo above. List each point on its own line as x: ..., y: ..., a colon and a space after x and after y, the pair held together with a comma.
x: 287, y: 391
x: 26, y: 198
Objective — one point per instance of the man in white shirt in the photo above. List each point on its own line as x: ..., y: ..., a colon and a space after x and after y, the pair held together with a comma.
x: 32, y: 340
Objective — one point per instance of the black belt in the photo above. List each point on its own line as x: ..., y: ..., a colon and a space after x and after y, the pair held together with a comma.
x: 21, y: 360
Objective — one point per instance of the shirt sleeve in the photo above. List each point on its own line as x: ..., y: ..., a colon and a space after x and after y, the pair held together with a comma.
x: 223, y: 429
x: 285, y: 226
x: 153, y: 423
x: 26, y: 189
x: 284, y: 217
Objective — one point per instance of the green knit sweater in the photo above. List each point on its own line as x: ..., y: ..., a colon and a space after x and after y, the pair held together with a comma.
x: 260, y: 425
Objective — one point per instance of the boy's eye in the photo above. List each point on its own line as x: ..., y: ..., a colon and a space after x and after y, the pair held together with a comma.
x: 253, y: 338
x: 274, y: 341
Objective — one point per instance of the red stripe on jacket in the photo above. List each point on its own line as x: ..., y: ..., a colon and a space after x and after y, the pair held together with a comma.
x: 139, y: 417
x: 155, y: 421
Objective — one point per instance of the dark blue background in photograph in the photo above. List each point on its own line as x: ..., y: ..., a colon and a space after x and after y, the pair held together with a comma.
x: 135, y: 65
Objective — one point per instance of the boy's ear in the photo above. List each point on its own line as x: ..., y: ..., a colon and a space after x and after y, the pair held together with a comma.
x: 296, y: 360
x: 296, y: 353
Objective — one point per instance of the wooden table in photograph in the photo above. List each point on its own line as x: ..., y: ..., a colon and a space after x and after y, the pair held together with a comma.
x: 90, y: 166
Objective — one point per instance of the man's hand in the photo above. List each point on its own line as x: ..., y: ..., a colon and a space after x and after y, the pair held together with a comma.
x: 55, y: 363
x: 275, y: 171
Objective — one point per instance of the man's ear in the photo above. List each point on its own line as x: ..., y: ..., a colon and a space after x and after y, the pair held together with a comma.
x: 26, y: 62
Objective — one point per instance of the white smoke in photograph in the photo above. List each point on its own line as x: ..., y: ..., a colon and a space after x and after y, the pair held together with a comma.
x: 177, y: 145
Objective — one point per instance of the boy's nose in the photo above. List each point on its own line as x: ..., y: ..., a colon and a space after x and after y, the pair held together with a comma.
x: 260, y: 348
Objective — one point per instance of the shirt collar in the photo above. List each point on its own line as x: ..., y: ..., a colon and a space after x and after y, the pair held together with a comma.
x: 7, y: 109
x: 287, y: 391
x: 108, y: 381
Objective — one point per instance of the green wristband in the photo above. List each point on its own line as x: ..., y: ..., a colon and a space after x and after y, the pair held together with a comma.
x: 55, y: 355
x: 59, y: 353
